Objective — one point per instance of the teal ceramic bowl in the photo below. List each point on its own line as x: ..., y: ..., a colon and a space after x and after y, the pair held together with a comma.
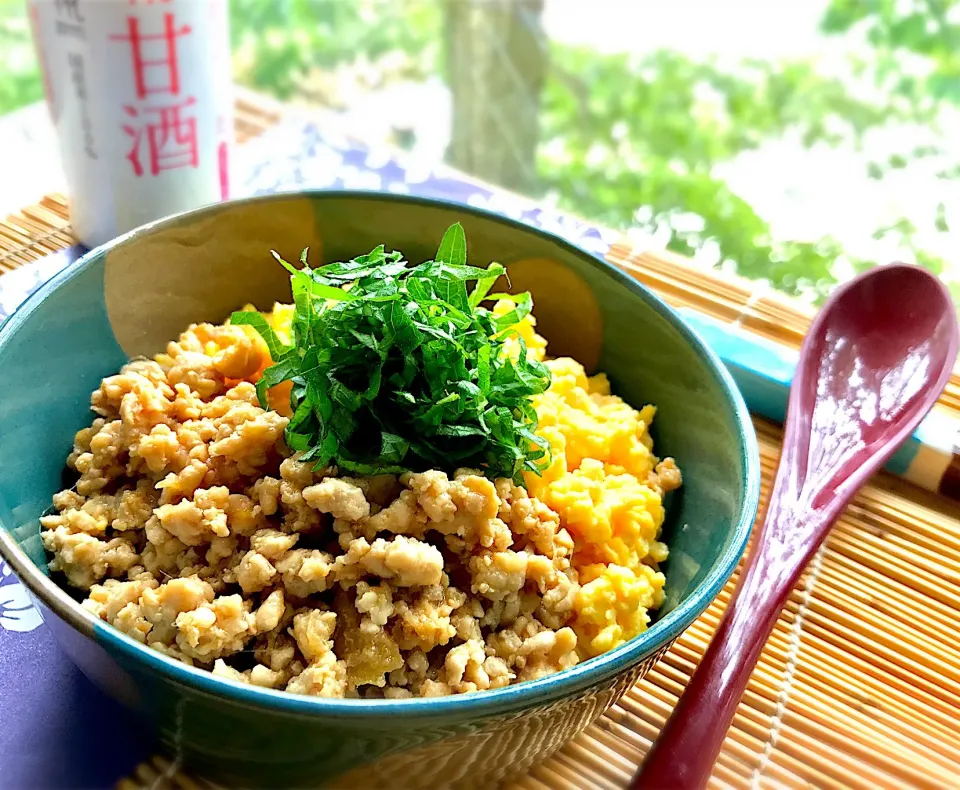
x: 134, y: 294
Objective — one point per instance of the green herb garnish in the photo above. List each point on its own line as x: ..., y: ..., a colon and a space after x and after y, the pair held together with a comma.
x: 398, y: 367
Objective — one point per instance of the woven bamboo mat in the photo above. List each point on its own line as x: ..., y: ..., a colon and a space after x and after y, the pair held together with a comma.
x: 859, y: 686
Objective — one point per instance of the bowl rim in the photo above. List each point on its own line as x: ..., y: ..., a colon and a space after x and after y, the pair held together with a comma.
x: 660, y: 635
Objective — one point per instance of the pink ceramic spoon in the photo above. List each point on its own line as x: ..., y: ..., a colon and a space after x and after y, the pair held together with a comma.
x: 872, y: 365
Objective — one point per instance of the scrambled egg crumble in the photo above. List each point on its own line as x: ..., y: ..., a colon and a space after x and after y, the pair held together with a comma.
x: 602, y: 483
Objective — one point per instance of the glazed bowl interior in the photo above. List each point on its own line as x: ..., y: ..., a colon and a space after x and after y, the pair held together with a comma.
x: 133, y: 295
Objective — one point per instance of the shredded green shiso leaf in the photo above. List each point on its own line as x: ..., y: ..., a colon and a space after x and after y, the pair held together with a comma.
x: 400, y: 368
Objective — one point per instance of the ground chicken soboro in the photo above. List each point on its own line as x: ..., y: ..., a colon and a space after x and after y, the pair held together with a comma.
x: 193, y: 530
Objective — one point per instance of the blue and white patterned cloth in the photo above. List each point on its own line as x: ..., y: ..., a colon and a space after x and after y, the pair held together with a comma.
x: 52, y: 720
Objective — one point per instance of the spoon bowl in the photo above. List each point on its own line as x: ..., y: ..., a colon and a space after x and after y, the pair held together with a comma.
x: 872, y: 365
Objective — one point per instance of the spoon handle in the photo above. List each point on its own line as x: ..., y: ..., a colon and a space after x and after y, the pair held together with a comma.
x: 683, y: 756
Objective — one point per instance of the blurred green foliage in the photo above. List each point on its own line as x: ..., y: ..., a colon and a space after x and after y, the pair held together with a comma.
x: 631, y: 141
x: 650, y: 132
x: 20, y: 82
x: 277, y: 44
x: 928, y: 30
x: 638, y: 141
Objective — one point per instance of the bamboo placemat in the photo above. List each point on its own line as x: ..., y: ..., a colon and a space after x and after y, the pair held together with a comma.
x: 859, y: 686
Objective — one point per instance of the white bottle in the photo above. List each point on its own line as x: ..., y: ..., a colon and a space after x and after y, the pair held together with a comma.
x: 140, y: 92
